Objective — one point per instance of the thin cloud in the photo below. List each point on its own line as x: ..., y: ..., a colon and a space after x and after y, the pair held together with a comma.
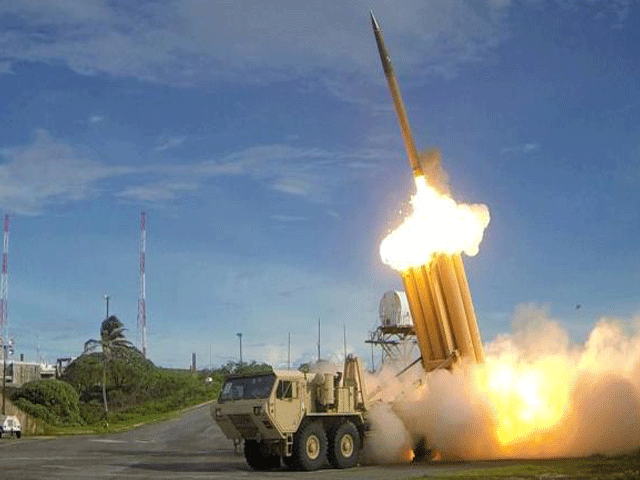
x: 157, y: 192
x: 171, y: 142
x: 187, y: 43
x: 96, y: 118
x: 628, y: 106
x: 51, y: 171
x: 520, y: 149
x: 6, y: 68
x: 289, y: 218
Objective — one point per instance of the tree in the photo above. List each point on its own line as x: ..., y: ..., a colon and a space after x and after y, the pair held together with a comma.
x: 112, y: 341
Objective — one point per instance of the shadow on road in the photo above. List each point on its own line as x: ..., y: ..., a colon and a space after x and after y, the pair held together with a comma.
x: 164, y: 453
x: 183, y: 467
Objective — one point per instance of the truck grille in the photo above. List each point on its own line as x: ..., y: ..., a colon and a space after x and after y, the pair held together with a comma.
x: 244, y: 425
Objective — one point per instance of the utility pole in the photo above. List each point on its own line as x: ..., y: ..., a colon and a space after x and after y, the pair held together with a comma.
x: 240, y: 337
x: 4, y: 376
x: 318, y: 339
x: 142, y: 295
x: 4, y: 288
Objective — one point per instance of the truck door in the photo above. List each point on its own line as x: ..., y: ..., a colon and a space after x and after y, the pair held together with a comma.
x: 287, y: 405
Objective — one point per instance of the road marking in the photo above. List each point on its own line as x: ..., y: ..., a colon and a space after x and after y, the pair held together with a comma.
x: 107, y: 440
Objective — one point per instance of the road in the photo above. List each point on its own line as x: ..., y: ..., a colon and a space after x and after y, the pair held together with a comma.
x: 190, y: 446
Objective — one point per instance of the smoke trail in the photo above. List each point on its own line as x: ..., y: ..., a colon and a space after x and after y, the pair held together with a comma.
x: 536, y: 396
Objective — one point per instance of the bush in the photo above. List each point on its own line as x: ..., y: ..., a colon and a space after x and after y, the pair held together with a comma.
x: 36, y: 410
x: 91, y: 412
x: 56, y: 397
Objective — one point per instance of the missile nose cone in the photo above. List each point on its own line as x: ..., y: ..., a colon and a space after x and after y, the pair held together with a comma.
x: 374, y: 22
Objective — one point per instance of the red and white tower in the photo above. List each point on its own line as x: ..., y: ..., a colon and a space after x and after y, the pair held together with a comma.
x: 5, y: 283
x: 142, y: 297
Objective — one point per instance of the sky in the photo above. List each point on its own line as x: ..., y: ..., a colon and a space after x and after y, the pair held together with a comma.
x: 260, y: 139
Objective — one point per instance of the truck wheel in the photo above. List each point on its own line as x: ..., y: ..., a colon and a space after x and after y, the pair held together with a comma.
x: 290, y: 462
x: 421, y: 452
x: 310, y: 447
x: 258, y: 456
x: 18, y: 434
x: 344, y: 446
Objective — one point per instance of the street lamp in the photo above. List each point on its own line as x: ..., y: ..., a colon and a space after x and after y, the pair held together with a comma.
x: 106, y: 298
x: 240, y: 337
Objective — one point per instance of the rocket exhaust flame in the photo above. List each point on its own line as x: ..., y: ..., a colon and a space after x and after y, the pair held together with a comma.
x: 437, y: 225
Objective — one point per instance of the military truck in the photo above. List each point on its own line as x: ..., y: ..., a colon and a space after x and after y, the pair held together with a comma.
x: 300, y: 419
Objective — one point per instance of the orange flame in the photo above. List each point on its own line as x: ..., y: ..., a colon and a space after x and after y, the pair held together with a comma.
x: 437, y: 225
x: 528, y: 399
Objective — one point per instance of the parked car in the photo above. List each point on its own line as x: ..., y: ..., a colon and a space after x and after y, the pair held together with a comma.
x: 10, y: 425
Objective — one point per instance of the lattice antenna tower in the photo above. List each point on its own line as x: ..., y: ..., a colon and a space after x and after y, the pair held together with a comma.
x: 4, y: 289
x: 142, y: 297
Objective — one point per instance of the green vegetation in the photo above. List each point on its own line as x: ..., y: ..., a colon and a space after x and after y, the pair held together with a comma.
x: 113, y: 378
x: 112, y: 341
x: 53, y: 401
x: 596, y: 467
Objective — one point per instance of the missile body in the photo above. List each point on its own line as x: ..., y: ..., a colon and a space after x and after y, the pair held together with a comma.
x: 397, y: 100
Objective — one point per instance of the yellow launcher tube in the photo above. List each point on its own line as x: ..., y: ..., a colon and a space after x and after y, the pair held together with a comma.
x: 419, y: 325
x: 474, y: 331
x: 455, y: 306
x: 438, y: 348
x: 441, y: 319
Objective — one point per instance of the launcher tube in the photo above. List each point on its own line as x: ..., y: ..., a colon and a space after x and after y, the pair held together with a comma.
x: 468, y: 307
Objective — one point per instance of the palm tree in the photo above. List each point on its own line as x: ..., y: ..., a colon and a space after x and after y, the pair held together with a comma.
x: 111, y: 341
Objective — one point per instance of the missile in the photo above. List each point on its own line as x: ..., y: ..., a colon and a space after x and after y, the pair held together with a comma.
x: 397, y: 100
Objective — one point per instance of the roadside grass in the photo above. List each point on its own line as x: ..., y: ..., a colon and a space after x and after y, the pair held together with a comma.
x: 120, y: 424
x: 595, y: 466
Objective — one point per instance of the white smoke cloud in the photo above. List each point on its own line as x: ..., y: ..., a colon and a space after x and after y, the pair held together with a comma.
x: 537, y: 395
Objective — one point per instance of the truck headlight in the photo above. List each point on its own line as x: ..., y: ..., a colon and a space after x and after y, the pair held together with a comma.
x: 257, y: 410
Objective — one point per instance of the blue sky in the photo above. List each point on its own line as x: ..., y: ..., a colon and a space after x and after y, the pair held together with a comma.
x: 261, y: 141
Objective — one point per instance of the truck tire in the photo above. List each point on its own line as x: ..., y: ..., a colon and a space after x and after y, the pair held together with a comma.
x: 421, y: 452
x: 258, y: 456
x: 18, y: 434
x: 289, y: 462
x: 310, y: 447
x: 344, y: 446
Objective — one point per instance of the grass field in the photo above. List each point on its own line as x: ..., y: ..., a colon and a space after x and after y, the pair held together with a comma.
x: 596, y: 467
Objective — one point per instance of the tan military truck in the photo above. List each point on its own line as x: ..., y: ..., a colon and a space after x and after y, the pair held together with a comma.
x: 301, y: 419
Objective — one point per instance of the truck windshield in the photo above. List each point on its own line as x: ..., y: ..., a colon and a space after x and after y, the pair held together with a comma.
x: 247, y: 388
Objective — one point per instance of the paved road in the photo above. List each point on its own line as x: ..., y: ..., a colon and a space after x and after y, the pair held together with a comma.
x: 190, y: 446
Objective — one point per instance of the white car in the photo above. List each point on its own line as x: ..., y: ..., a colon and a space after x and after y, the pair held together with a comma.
x: 10, y: 425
